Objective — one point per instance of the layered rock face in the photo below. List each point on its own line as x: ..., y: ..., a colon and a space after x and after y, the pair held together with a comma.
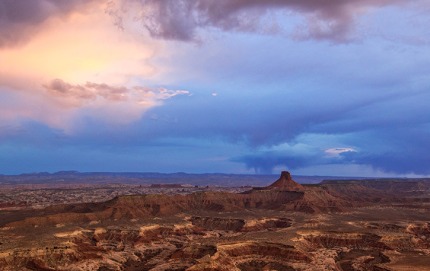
x: 144, y: 206
x: 285, y: 226
x: 283, y: 194
x: 226, y: 243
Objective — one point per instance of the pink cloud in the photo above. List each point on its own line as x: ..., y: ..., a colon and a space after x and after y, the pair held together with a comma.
x: 97, y: 64
x: 63, y: 105
x: 91, y: 93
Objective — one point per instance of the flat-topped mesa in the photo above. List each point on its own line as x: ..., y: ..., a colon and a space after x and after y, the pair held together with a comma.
x: 285, y: 182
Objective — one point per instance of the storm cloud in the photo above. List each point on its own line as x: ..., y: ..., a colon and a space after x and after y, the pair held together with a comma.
x: 182, y: 19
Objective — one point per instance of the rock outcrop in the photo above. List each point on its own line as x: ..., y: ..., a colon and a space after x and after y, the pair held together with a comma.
x: 283, y: 194
x: 284, y: 226
x: 285, y: 182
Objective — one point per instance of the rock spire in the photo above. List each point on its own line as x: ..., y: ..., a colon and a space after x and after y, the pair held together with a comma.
x: 285, y: 182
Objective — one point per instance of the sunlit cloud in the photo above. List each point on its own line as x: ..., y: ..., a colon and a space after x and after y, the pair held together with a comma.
x: 78, y: 59
x: 335, y: 152
x: 82, y: 47
x: 89, y: 93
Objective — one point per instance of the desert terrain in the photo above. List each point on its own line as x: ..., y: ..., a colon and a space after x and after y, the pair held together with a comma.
x: 345, y: 225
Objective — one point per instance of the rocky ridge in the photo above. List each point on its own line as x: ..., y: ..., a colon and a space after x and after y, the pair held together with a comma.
x: 283, y: 226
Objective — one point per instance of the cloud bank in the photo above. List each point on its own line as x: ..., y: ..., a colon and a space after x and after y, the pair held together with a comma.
x: 182, y: 19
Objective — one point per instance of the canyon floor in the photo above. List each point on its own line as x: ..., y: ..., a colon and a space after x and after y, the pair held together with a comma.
x: 333, y: 225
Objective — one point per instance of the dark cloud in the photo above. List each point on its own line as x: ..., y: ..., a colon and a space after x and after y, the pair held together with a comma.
x: 399, y: 150
x: 265, y: 162
x: 395, y: 151
x: 389, y: 130
x: 181, y: 19
x: 19, y: 19
x: 259, y: 119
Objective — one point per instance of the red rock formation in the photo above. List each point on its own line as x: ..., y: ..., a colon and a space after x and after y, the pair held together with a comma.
x: 285, y: 182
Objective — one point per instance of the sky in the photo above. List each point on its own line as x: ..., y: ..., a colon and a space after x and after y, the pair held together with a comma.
x: 336, y: 87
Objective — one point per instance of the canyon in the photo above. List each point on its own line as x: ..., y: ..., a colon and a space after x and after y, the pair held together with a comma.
x: 349, y: 225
